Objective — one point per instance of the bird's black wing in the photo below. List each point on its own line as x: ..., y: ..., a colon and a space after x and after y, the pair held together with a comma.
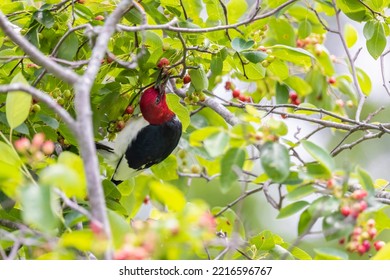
x: 153, y: 144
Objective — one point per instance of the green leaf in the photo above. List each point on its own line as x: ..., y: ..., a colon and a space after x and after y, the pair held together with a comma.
x: 277, y: 127
x: 168, y: 195
x: 198, y: 136
x: 319, y: 154
x: 335, y: 227
x: 236, y: 9
x: 167, y: 169
x: 377, y: 43
x: 295, y: 55
x: 254, y: 56
x: 365, y: 180
x: 40, y: 207
x: 18, y: 103
x: 354, y: 10
x: 304, y: 29
x: 45, y: 18
x: 305, y: 220
x: 318, y: 171
x: 282, y: 31
x: 275, y: 161
x: 369, y: 29
x: 350, y: 34
x: 263, y: 241
x: 9, y: 156
x: 216, y: 143
x: 291, y: 209
x: 198, y: 78
x: 282, y: 93
x: 231, y: 165
x: 181, y: 111
x: 119, y: 228
x: 280, y: 69
x: 239, y: 44
x: 328, y: 253
x: 300, y: 192
x: 364, y: 81
x: 69, y: 47
x: 302, y: 87
x: 82, y: 240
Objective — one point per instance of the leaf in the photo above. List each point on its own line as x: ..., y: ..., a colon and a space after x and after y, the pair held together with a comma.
x: 231, y: 165
x: 294, y: 55
x: 45, y: 18
x: 299, y: 85
x: 119, y: 228
x: 239, y: 44
x: 300, y: 192
x: 364, y: 81
x: 69, y: 47
x: 216, y: 143
x: 319, y: 154
x: 236, y: 9
x: 283, y: 31
x: 40, y: 207
x: 350, y: 34
x: 167, y: 169
x: 181, y: 111
x: 305, y: 221
x: 168, y: 195
x: 275, y: 161
x: 354, y: 10
x: 82, y: 240
x: 365, y: 180
x: 282, y: 93
x: 291, y: 209
x: 9, y: 156
x: 198, y: 78
x: 197, y: 137
x: 304, y: 29
x: 280, y: 69
x: 263, y: 241
x: 18, y: 103
x: 327, y: 253
x: 377, y: 43
x: 254, y: 56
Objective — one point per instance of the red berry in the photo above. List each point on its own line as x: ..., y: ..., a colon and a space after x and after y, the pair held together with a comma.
x: 371, y: 223
x: 228, y: 85
x: 186, y: 79
x: 163, y: 62
x: 38, y: 140
x: 342, y: 241
x: 130, y: 109
x: 110, y: 58
x: 48, y: 147
x: 372, y: 232
x: 247, y: 98
x: 120, y: 125
x: 330, y: 183
x: 300, y: 43
x: 359, y: 194
x: 22, y: 145
x: 99, y: 17
x: 236, y: 93
x: 366, y: 245
x: 284, y: 116
x: 361, y: 249
x: 331, y: 80
x: 357, y: 231
x: 146, y: 199
x: 363, y: 205
x: 296, y: 102
x: 345, y: 211
x: 379, y: 245
x: 241, y: 97
x: 96, y: 227
x: 293, y: 95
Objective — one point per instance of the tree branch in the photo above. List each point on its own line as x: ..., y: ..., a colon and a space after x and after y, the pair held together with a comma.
x: 36, y: 55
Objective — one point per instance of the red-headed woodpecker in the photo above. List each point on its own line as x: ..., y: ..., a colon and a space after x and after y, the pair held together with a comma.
x: 145, y: 141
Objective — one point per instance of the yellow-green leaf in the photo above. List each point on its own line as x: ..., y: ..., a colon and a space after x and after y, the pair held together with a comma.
x: 18, y: 104
x: 168, y: 195
x: 350, y: 34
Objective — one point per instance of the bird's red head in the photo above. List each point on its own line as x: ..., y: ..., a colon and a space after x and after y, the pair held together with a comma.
x: 154, y: 107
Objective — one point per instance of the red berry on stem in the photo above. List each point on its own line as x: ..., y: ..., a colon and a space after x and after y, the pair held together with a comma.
x: 38, y: 140
x: 120, y: 125
x: 345, y: 211
x: 186, y: 79
x: 296, y: 102
x: 130, y: 109
x: 332, y: 80
x: 372, y: 232
x: 99, y: 17
x: 163, y: 62
x: 363, y: 205
x: 247, y: 98
x: 22, y: 144
x: 236, y: 93
x: 379, y: 245
x: 241, y: 97
x: 359, y: 194
x: 228, y: 85
x: 371, y: 223
x: 48, y: 147
x: 293, y: 95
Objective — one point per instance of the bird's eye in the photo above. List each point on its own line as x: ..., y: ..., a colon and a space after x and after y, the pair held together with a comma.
x: 157, y: 100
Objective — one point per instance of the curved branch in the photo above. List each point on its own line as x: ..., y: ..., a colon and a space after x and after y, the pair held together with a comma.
x: 36, y: 55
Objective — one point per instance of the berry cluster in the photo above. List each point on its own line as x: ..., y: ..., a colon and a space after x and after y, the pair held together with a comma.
x: 355, y: 204
x: 236, y: 93
x: 62, y: 98
x: 35, y: 150
x: 266, y: 62
x: 294, y: 99
x: 314, y: 42
x: 362, y: 238
x: 195, y: 97
x: 259, y: 35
